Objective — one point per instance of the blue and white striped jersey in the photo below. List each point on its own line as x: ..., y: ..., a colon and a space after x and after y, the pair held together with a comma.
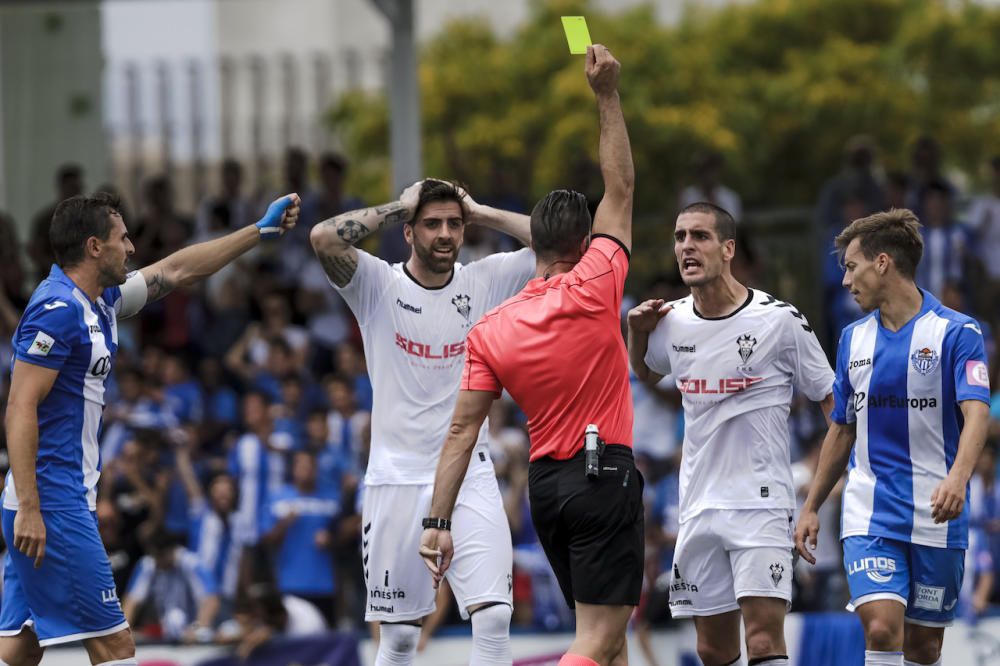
x: 218, y: 551
x: 62, y: 329
x: 902, y: 389
x: 259, y: 471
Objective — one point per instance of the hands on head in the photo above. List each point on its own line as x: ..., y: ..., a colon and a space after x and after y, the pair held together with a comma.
x: 410, y: 198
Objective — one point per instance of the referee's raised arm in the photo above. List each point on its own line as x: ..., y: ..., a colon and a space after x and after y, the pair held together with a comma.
x: 614, y: 214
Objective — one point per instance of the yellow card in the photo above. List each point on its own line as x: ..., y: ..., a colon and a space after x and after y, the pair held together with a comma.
x: 576, y: 34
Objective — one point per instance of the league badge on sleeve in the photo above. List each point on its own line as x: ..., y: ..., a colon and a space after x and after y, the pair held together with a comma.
x: 925, y: 360
x: 41, y: 345
x: 976, y: 374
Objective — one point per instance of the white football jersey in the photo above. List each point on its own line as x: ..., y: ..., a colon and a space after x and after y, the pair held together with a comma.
x: 414, y: 340
x: 736, y: 376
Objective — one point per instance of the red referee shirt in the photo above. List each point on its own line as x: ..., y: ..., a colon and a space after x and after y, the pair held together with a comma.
x: 557, y: 348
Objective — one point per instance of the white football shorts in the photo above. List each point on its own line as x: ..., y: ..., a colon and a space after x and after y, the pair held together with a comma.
x: 398, y: 583
x: 723, y: 555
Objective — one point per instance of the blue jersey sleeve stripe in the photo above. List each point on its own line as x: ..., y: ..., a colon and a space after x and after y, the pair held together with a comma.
x: 843, y: 393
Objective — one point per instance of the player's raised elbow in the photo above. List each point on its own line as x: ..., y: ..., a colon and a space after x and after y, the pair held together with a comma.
x: 325, y: 240
x: 318, y: 236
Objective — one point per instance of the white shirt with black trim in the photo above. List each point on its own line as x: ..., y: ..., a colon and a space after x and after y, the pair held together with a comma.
x: 414, y: 339
x: 736, y: 375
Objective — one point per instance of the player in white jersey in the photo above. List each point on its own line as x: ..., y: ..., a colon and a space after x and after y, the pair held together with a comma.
x: 414, y: 318
x: 912, y: 407
x: 737, y: 355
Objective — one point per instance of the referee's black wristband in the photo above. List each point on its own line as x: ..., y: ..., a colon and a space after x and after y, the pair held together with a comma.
x: 436, y: 524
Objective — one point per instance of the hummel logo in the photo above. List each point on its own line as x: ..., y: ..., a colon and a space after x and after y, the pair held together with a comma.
x: 411, y: 308
x: 55, y: 304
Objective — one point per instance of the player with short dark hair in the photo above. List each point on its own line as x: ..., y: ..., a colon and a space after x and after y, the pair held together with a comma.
x: 57, y: 579
x: 912, y: 400
x: 558, y: 222
x: 725, y: 225
x: 557, y: 348
x: 414, y: 317
x: 737, y: 354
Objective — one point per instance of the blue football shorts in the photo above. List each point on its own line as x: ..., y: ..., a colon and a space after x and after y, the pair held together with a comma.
x: 925, y: 579
x: 71, y: 596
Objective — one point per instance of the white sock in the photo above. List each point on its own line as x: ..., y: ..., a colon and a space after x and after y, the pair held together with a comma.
x: 491, y: 636
x: 773, y: 661
x: 873, y: 658
x: 131, y: 661
x: 907, y: 662
x: 397, y: 644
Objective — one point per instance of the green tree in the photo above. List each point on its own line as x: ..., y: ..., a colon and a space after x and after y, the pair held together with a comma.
x: 777, y: 86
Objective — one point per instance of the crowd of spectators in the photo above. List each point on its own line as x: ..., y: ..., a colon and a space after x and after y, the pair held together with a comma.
x: 236, y: 431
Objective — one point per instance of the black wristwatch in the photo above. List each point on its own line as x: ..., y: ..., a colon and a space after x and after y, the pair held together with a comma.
x: 436, y: 524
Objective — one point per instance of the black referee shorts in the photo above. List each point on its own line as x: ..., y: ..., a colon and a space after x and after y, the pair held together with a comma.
x: 591, y: 529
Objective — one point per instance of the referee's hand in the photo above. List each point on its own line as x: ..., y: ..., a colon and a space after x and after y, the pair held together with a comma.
x: 437, y: 549
x: 29, y: 534
x: 602, y: 70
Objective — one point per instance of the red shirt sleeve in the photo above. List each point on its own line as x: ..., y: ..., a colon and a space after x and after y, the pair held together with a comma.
x: 603, y: 269
x: 477, y: 374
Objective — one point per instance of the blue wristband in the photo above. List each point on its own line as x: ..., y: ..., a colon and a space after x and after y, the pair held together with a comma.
x: 270, y: 224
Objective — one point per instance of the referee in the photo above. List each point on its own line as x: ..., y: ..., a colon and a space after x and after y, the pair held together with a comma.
x: 558, y: 350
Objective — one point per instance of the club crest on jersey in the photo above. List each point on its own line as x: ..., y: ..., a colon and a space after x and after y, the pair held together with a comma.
x: 777, y: 569
x: 461, y: 303
x: 746, y: 344
x: 925, y: 360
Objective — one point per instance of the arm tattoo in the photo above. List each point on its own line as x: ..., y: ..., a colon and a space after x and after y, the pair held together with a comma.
x: 157, y: 287
x: 394, y: 213
x: 395, y: 217
x: 352, y: 231
x: 340, y: 267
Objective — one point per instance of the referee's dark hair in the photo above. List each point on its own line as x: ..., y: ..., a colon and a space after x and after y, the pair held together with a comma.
x: 725, y: 225
x: 559, y: 223
x: 895, y: 232
x: 432, y: 191
x: 78, y: 218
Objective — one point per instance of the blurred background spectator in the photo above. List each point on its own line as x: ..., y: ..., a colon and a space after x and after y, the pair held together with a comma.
x: 708, y: 186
